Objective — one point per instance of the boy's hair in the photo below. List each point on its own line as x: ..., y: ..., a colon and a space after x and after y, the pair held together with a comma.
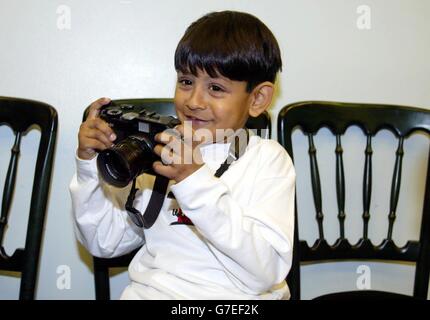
x: 236, y: 45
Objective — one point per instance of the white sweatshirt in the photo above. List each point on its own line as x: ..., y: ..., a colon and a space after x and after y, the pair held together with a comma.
x: 239, y: 242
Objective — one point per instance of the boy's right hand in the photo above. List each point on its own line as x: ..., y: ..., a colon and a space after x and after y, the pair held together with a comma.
x: 94, y: 133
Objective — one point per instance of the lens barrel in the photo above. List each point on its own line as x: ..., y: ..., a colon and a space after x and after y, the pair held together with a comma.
x: 126, y: 160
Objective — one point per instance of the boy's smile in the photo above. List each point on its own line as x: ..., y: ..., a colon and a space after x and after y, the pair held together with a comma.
x: 211, y: 103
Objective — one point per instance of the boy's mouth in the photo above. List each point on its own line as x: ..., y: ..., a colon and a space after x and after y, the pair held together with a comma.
x: 196, y: 121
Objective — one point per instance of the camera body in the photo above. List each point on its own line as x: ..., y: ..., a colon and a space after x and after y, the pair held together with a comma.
x: 128, y: 119
x: 132, y: 153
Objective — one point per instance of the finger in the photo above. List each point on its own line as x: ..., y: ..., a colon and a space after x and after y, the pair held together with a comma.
x: 158, y: 149
x: 175, y: 145
x: 95, y: 107
x: 168, y: 136
x: 167, y: 155
x: 163, y: 170
x: 186, y: 131
x: 101, y: 125
x: 89, y: 145
x: 179, y: 129
x: 97, y: 135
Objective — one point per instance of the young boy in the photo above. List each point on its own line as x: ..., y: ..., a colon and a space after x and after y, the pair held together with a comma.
x: 227, y: 237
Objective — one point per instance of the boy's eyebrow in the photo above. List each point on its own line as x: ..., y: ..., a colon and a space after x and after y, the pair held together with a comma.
x: 180, y: 73
x: 220, y: 77
x: 217, y: 77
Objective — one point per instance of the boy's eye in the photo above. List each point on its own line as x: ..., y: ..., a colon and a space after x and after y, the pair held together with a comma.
x: 216, y: 88
x: 185, y: 82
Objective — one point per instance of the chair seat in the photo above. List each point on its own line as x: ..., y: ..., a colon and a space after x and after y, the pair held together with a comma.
x: 11, y: 263
x: 367, y: 295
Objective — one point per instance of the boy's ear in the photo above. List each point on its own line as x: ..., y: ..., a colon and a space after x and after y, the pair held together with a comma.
x: 261, y: 98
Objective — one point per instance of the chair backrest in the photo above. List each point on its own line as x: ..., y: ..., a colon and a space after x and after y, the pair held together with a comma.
x: 310, y: 116
x: 261, y: 125
x: 20, y: 115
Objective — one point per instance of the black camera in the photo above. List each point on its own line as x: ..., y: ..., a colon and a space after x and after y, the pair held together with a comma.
x: 132, y: 153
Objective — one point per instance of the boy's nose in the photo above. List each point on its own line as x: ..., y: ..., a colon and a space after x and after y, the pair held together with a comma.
x: 196, y: 100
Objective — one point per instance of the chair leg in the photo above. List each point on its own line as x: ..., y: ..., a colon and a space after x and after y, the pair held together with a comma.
x: 29, y: 270
x: 27, y: 286
x: 101, y: 283
x: 293, y: 278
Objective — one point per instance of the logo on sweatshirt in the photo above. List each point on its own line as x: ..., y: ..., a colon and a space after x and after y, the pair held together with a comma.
x: 181, y: 218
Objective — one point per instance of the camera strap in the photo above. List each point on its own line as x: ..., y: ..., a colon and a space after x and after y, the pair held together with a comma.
x: 154, y: 206
x: 237, y: 149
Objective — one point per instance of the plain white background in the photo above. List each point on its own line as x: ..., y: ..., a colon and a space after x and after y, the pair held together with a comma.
x: 124, y: 49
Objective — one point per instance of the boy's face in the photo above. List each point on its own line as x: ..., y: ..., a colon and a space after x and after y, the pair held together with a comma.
x: 211, y: 103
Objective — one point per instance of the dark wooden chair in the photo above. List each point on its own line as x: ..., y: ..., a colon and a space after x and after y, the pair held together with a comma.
x: 310, y: 116
x: 21, y: 115
x: 260, y: 125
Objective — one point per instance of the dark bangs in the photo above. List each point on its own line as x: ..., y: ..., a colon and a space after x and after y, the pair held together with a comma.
x: 233, y: 44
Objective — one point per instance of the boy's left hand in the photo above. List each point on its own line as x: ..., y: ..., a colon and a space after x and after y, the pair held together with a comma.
x: 179, y: 153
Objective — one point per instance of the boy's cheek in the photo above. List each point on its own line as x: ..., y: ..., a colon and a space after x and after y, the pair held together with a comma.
x: 180, y: 116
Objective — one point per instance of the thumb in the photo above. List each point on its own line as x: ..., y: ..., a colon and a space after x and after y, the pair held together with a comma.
x: 95, y: 107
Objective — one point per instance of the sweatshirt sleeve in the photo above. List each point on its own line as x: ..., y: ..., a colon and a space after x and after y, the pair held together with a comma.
x: 253, y: 242
x: 100, y: 220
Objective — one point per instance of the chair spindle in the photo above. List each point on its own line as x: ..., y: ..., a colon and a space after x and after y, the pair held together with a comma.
x: 9, y: 185
x: 367, y: 186
x: 395, y: 187
x: 316, y: 186
x: 340, y: 186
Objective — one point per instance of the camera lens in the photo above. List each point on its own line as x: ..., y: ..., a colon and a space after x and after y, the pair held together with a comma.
x: 126, y: 160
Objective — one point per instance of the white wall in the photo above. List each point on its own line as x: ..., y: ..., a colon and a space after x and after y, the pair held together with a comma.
x: 125, y: 49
